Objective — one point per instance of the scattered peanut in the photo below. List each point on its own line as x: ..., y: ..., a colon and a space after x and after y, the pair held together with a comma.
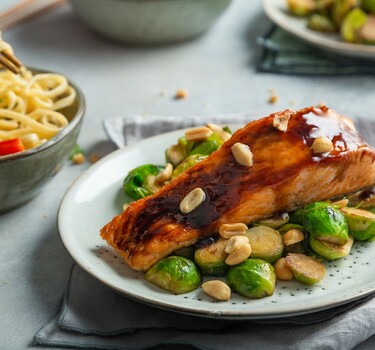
x: 125, y: 206
x: 165, y: 174
x: 274, y: 97
x: 229, y: 230
x: 280, y: 121
x: 181, y: 94
x: 198, y: 134
x: 322, y: 144
x: 192, y: 200
x: 235, y: 242
x: 78, y: 158
x: 242, y: 154
x: 282, y: 270
x: 217, y: 290
x: 176, y: 154
x: 239, y: 255
x: 293, y: 236
x: 341, y: 203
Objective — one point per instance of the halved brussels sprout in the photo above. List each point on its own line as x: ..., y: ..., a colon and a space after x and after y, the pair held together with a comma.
x: 352, y: 22
x: 321, y: 23
x: 206, y: 147
x: 287, y: 227
x: 340, y: 9
x: 139, y: 183
x: 266, y: 243
x: 186, y: 164
x: 301, y: 7
x: 294, y: 241
x: 325, y: 222
x: 305, y: 269
x: 175, y: 154
x: 175, y: 274
x: 274, y: 221
x: 253, y: 278
x: 361, y: 223
x: 330, y: 251
x: 295, y: 217
x: 211, y: 258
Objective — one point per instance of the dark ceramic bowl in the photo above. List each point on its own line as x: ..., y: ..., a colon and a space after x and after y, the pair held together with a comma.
x: 24, y: 174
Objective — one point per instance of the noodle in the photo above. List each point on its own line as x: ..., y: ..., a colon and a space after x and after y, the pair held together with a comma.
x: 29, y: 104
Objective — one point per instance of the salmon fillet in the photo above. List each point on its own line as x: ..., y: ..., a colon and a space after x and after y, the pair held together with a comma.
x: 285, y: 175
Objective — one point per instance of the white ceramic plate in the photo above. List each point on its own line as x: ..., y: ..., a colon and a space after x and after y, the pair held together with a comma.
x: 96, y: 197
x: 277, y: 11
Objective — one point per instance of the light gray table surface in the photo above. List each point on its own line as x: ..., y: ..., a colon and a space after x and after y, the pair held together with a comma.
x: 217, y: 69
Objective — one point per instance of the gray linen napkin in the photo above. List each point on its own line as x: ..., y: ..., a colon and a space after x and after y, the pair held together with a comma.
x: 92, y: 316
x: 285, y: 54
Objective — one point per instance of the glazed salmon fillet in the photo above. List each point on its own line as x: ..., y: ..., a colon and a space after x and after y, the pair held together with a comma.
x: 287, y: 172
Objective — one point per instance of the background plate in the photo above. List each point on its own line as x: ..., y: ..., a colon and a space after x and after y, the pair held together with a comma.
x: 97, y: 196
x: 277, y: 11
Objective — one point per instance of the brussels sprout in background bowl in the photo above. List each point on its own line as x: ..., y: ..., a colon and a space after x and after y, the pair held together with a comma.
x: 24, y: 174
x: 149, y: 21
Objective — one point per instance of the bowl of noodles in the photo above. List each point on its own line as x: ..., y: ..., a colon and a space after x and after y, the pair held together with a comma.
x: 40, y: 119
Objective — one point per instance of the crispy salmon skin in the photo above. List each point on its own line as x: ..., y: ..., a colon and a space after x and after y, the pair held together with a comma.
x: 288, y: 170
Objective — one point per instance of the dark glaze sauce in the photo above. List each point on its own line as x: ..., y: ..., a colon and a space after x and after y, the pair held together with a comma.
x: 226, y: 183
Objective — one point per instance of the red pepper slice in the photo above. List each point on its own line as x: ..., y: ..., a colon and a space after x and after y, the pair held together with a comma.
x: 11, y: 146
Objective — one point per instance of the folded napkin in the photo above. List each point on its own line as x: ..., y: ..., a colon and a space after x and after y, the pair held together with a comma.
x: 286, y: 54
x: 93, y: 316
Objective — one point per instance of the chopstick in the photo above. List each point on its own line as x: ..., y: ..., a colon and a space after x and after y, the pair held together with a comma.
x: 11, y: 62
x: 26, y: 10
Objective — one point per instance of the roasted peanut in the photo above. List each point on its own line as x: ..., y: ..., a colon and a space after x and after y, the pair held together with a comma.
x: 280, y: 121
x: 235, y: 242
x: 282, y: 270
x: 229, y: 230
x: 78, y: 158
x: 192, y: 200
x: 341, y: 203
x: 217, y: 290
x: 239, y: 255
x: 293, y: 236
x: 242, y: 154
x: 219, y: 131
x: 165, y: 174
x: 322, y: 144
x: 198, y: 134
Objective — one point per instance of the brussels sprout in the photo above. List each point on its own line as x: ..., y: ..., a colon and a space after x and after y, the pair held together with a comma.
x: 175, y: 154
x: 275, y: 221
x: 325, y: 222
x: 287, y: 227
x: 352, y: 22
x: 321, y: 23
x: 294, y: 241
x: 227, y: 129
x: 211, y: 258
x: 305, y: 269
x: 361, y: 223
x: 266, y: 243
x: 75, y: 151
x: 340, y: 9
x: 301, y: 7
x: 205, y: 148
x: 253, y: 278
x: 139, y: 183
x: 175, y: 274
x: 295, y: 216
x: 186, y: 164
x: 330, y: 251
x: 368, y: 6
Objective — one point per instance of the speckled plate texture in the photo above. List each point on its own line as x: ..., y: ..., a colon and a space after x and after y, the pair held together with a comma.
x: 97, y: 196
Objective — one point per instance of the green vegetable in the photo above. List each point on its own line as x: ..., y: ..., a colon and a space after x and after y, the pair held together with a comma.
x: 352, y: 22
x: 368, y: 6
x: 330, y: 251
x: 211, y: 258
x: 361, y: 223
x: 321, y: 23
x: 285, y: 228
x: 325, y: 222
x: 295, y: 216
x: 76, y: 150
x: 186, y: 252
x: 175, y: 274
x: 186, y: 164
x: 253, y: 278
x: 305, y: 269
x: 275, y: 221
x: 266, y: 243
x: 175, y: 154
x: 340, y: 9
x: 301, y: 7
x: 364, y: 199
x: 205, y: 148
x: 139, y: 183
